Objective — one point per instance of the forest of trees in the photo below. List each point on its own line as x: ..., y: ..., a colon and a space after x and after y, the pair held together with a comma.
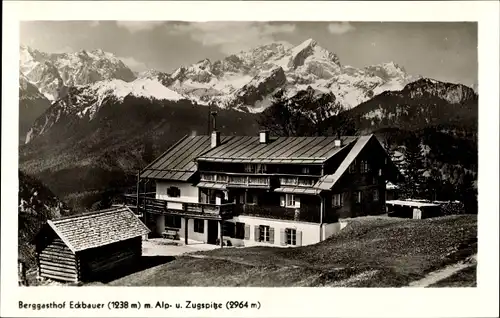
x: 429, y: 178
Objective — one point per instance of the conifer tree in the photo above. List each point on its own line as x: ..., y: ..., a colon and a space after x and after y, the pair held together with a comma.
x: 412, y: 167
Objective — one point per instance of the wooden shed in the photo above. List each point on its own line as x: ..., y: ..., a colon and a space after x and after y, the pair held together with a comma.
x: 413, y: 209
x: 87, y: 246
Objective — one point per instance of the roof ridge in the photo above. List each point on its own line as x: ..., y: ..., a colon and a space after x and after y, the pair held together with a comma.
x: 89, y: 214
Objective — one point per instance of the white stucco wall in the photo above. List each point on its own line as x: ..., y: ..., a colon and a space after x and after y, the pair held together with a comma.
x: 189, y: 193
x: 192, y: 235
x: 310, y: 231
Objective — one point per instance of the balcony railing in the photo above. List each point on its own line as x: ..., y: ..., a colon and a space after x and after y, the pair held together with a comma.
x: 150, y: 204
x: 304, y: 213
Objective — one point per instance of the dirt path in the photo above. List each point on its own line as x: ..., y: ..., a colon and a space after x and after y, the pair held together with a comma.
x: 443, y: 273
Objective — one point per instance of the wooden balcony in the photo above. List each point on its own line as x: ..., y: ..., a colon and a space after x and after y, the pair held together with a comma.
x: 304, y: 213
x: 150, y: 204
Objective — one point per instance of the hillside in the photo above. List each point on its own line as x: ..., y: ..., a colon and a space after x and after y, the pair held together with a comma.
x: 420, y: 104
x: 369, y: 252
x: 105, y: 151
x: 32, y: 104
x: 37, y: 204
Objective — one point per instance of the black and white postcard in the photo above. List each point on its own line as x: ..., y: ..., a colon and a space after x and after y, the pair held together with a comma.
x: 274, y: 159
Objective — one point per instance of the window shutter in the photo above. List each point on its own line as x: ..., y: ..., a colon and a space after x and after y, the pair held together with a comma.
x: 282, y: 200
x: 257, y: 234
x: 282, y: 237
x: 297, y: 202
x: 298, y: 238
x: 247, y: 232
x: 271, y: 235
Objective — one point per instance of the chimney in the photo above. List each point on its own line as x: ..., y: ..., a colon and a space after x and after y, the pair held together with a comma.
x: 215, y: 140
x: 338, y: 143
x: 264, y: 137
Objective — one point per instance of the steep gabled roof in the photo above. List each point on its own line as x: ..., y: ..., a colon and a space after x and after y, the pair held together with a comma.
x: 328, y: 181
x: 296, y: 150
x: 95, y: 229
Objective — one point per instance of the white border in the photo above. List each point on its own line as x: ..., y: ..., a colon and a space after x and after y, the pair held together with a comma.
x: 288, y: 302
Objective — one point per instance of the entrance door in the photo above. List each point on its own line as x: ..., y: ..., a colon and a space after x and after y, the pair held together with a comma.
x: 213, y: 231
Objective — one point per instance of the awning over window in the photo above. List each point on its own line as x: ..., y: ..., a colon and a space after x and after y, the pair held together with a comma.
x: 211, y: 185
x: 298, y: 190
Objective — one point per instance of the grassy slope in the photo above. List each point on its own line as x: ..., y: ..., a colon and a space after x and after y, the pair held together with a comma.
x: 393, y: 251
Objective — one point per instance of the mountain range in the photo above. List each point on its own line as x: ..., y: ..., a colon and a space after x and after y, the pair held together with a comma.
x: 96, y: 121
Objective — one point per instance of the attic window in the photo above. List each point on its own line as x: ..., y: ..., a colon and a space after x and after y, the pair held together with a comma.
x: 174, y: 192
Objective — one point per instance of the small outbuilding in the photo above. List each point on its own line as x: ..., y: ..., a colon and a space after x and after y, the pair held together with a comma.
x: 412, y: 209
x: 87, y: 246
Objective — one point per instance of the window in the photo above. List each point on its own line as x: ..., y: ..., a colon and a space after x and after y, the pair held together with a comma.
x: 291, y: 236
x: 173, y: 221
x: 305, y: 170
x: 255, y: 168
x: 228, y: 229
x: 290, y: 200
x: 352, y: 167
x: 251, y: 198
x: 239, y: 230
x: 199, y: 226
x: 264, y: 233
x: 358, y: 196
x: 380, y: 172
x: 249, y: 168
x: 174, y: 192
x: 365, y: 166
x: 375, y: 195
x: 338, y: 200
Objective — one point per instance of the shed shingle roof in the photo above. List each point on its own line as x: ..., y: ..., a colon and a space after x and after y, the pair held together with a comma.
x: 95, y: 229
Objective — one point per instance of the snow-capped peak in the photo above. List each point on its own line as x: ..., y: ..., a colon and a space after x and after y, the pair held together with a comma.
x: 142, y: 87
x: 53, y: 73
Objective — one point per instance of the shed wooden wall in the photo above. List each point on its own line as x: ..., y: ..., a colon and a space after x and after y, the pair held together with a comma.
x: 98, y: 262
x: 57, y: 261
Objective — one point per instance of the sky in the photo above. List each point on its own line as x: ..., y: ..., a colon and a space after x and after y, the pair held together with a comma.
x: 445, y: 51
